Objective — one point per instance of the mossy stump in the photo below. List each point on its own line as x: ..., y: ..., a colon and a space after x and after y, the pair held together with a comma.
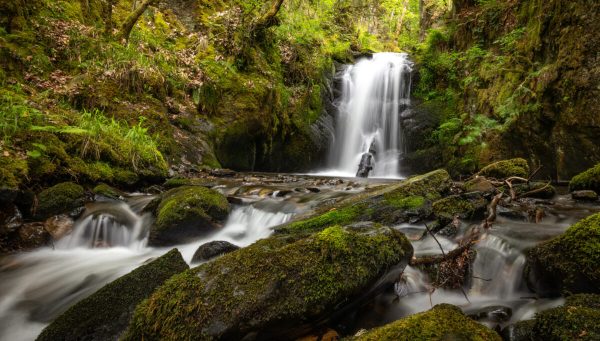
x: 104, y: 315
x: 273, y: 289
x: 569, y: 263
x: 443, y: 322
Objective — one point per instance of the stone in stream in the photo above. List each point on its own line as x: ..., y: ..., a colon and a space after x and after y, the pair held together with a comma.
x: 104, y: 315
x: 210, y: 250
x: 466, y: 206
x: 275, y: 288
x: 443, y: 322
x: 365, y: 166
x: 584, y: 195
x: 59, y: 226
x: 185, y: 213
x: 408, y: 200
x: 577, y: 319
x: 506, y: 168
x: 588, y: 180
x: 59, y: 199
x: 569, y: 263
x: 496, y: 313
x: 109, y: 192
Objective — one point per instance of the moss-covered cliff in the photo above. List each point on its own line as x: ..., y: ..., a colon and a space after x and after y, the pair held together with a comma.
x: 512, y: 79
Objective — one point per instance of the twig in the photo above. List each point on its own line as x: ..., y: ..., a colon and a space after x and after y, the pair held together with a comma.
x: 436, y: 240
x: 535, y: 190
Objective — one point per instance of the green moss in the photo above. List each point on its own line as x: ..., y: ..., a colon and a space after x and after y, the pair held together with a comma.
x: 59, y: 199
x: 430, y: 186
x: 465, y: 207
x: 506, y: 168
x: 104, y: 315
x: 443, y: 322
x: 187, y: 209
x: 108, y: 191
x: 270, y: 286
x: 590, y: 179
x: 407, y: 203
x: 12, y: 172
x: 341, y: 216
x: 577, y: 319
x: 568, y: 263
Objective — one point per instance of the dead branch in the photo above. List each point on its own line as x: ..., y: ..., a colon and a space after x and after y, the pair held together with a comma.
x: 541, y: 189
x: 487, y: 223
x: 511, y: 190
x: 133, y: 18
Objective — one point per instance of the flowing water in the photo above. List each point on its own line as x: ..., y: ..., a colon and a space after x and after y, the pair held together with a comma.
x: 375, y: 91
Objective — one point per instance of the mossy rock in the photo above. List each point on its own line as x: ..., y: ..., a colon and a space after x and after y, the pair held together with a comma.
x: 443, y: 322
x: 59, y: 199
x: 480, y: 184
x: 506, y: 168
x: 274, y: 288
x: 104, y: 315
x: 540, y: 190
x: 568, y: 263
x: 108, y: 192
x: 12, y: 173
x: 590, y: 179
x: 412, y: 197
x: 467, y: 206
x: 577, y: 319
x: 186, y: 213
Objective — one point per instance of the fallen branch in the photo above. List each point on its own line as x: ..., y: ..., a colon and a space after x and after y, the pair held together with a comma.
x: 541, y: 189
x: 491, y: 218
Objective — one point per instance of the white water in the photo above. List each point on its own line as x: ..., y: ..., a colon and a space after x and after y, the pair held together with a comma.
x: 108, y: 241
x: 374, y: 94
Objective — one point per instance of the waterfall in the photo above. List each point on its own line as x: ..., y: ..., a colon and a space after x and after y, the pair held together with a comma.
x: 374, y: 93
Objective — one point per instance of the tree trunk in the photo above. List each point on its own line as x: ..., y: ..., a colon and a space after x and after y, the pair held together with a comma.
x: 133, y: 18
x: 268, y: 19
x: 109, y: 23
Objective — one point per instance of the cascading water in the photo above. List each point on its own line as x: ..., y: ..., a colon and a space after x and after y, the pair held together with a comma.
x: 374, y: 93
x: 108, y: 241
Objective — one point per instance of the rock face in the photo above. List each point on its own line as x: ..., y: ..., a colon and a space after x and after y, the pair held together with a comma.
x: 506, y: 168
x: 443, y: 322
x: 273, y: 288
x: 187, y: 212
x: 577, y: 319
x: 104, y: 315
x: 60, y: 198
x: 213, y: 249
x: 408, y: 200
x: 588, y: 180
x: 568, y: 263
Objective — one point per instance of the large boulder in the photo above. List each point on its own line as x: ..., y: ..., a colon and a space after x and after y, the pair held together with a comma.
x: 577, y: 319
x: 569, y: 263
x: 274, y: 288
x: 187, y: 212
x: 443, y: 322
x: 59, y: 199
x: 506, y: 168
x: 411, y: 199
x: 104, y: 315
x: 588, y: 180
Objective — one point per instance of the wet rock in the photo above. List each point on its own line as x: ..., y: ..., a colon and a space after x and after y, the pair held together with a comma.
x: 235, y: 200
x: 466, y: 206
x: 577, y: 319
x: 585, y: 195
x: 365, y: 166
x: 109, y: 192
x: 506, y: 168
x: 514, y: 212
x: 104, y: 315
x: 10, y: 219
x: 282, y: 193
x: 588, y: 180
x: 313, y: 189
x: 480, y: 184
x: 59, y: 226
x: 59, y: 199
x: 394, y: 204
x: 443, y: 322
x: 274, y: 288
x: 568, y: 263
x: 33, y: 235
x: 496, y: 314
x: 222, y: 173
x: 520, y: 331
x: 186, y: 213
x: 213, y: 249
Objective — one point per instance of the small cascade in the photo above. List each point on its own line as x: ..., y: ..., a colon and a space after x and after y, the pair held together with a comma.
x: 368, y: 136
x: 107, y: 224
